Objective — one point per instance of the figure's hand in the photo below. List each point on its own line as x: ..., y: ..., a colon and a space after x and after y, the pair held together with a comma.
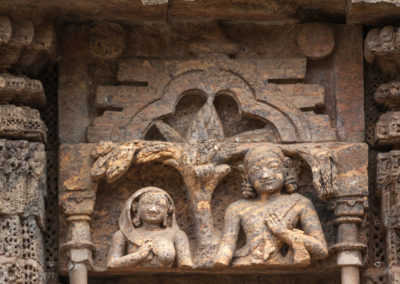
x: 276, y: 224
x: 147, y: 246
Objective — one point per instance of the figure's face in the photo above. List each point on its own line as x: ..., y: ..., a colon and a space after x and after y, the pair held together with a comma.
x: 267, y: 174
x: 153, y: 208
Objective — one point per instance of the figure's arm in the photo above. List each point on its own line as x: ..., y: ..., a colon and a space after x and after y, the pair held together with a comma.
x: 229, y: 238
x: 184, y: 258
x: 313, y: 239
x: 116, y: 256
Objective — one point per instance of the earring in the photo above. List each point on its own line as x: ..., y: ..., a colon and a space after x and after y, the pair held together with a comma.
x: 165, y: 221
x: 247, y: 190
x: 290, y: 175
x: 136, y: 221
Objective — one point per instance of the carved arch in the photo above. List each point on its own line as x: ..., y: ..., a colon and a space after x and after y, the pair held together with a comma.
x: 289, y: 122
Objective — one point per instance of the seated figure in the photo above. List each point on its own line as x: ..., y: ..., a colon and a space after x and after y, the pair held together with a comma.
x: 148, y: 234
x: 280, y: 228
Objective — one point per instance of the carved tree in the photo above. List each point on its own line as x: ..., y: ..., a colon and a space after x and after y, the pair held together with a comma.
x: 202, y: 153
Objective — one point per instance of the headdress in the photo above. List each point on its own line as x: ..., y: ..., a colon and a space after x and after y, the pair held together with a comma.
x: 125, y: 219
x: 257, y: 153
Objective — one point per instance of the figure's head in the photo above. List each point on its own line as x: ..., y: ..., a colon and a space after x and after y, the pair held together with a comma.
x: 264, y: 168
x: 153, y: 206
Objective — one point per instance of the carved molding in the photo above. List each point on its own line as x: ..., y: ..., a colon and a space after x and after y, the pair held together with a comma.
x: 26, y: 43
x: 21, y: 123
x: 21, y: 90
x: 246, y: 81
x: 316, y: 40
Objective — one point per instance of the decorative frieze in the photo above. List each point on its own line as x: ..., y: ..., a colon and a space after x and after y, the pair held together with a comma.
x: 22, y: 123
x: 21, y: 90
x: 22, y: 192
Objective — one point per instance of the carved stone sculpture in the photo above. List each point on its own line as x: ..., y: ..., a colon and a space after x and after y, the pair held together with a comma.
x: 387, y: 131
x: 22, y: 191
x: 21, y: 122
x: 148, y: 234
x: 184, y: 124
x: 381, y: 47
x: 269, y: 218
x: 388, y: 188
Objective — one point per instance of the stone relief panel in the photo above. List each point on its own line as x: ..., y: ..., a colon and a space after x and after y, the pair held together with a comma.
x: 23, y: 189
x: 177, y: 144
x: 387, y: 185
x: 381, y: 49
x: 253, y: 95
x: 197, y: 213
x: 270, y: 63
x: 148, y: 233
x: 269, y: 219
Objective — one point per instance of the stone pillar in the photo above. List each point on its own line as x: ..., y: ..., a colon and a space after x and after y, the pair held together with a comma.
x: 25, y: 47
x: 77, y: 196
x: 22, y: 183
x: 349, y: 212
x: 382, y: 49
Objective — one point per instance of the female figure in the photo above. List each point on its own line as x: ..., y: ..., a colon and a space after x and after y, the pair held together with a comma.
x: 270, y: 219
x: 148, y: 234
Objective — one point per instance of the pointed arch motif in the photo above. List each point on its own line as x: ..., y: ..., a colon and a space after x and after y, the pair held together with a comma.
x: 288, y: 121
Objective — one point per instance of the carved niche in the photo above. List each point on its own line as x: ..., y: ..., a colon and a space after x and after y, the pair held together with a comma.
x: 189, y: 127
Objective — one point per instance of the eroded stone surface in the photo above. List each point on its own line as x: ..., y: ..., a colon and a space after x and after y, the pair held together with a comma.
x: 381, y: 47
x: 373, y: 12
x: 114, y: 162
x: 22, y: 123
x: 148, y: 234
x: 21, y: 90
x: 22, y: 192
x: 168, y: 80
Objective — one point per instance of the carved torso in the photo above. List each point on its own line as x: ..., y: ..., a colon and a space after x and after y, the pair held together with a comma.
x: 261, y: 245
x: 163, y: 249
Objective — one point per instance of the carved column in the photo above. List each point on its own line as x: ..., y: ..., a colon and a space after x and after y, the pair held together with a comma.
x: 382, y: 49
x: 77, y: 196
x: 22, y: 183
x: 25, y: 46
x: 349, y: 212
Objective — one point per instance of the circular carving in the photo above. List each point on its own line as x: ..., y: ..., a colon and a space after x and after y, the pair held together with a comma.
x: 317, y: 41
x: 107, y: 40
